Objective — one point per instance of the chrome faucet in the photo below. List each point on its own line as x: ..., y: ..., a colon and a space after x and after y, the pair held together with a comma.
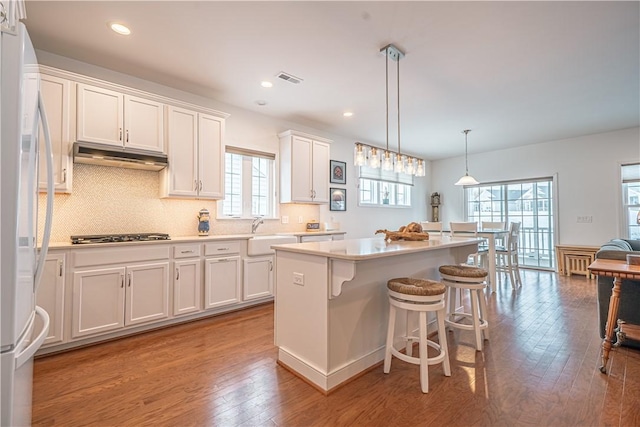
x: 256, y: 223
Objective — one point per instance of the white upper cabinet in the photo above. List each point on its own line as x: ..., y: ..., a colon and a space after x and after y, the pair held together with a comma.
x: 304, y: 168
x: 196, y: 155
x: 56, y: 94
x: 109, y: 117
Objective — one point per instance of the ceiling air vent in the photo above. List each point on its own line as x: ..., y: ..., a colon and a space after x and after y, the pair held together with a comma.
x: 288, y: 77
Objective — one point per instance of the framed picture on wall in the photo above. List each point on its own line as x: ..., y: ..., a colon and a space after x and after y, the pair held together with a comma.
x: 338, y: 172
x: 338, y: 200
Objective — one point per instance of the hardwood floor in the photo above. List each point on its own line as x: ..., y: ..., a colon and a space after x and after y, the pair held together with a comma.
x: 539, y: 368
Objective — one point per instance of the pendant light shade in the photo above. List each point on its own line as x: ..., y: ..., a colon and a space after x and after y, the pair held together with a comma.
x: 466, y: 179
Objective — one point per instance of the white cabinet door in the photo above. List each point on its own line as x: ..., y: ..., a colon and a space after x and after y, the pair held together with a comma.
x: 50, y: 296
x: 100, y: 115
x: 320, y: 172
x: 56, y: 94
x: 144, y: 124
x: 180, y: 178
x: 187, y: 287
x: 210, y: 157
x: 258, y: 278
x: 222, y: 281
x: 147, y: 294
x: 301, y: 184
x: 98, y: 301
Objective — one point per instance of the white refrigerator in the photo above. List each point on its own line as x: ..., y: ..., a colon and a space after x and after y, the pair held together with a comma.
x: 22, y: 263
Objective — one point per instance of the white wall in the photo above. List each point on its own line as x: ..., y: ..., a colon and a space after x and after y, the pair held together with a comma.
x: 249, y: 129
x: 587, y: 169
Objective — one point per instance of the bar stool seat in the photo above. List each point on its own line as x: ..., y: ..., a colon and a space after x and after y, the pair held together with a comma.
x: 422, y: 296
x: 457, y: 279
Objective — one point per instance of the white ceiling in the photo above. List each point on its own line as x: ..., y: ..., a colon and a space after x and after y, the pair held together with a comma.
x: 515, y: 73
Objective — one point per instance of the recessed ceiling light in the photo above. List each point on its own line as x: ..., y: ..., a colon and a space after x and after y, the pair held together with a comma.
x: 261, y: 102
x: 120, y: 28
x: 347, y: 114
x: 266, y: 84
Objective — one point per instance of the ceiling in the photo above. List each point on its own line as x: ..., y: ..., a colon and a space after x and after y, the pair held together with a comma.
x: 515, y: 73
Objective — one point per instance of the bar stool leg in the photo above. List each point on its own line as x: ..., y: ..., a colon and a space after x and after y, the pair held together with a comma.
x: 442, y: 340
x: 424, y: 366
x: 409, y: 344
x: 475, y: 312
x: 483, y: 312
x: 390, y: 330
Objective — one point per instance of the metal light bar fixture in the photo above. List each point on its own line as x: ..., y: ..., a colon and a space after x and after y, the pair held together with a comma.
x: 367, y: 155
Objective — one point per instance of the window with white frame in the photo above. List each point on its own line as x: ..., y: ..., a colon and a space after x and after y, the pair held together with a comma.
x: 249, y: 185
x: 631, y: 199
x: 384, y: 188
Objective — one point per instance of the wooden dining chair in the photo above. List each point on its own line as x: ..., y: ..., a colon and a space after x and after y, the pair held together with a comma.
x: 493, y: 225
x: 466, y: 229
x: 432, y: 227
x: 507, y: 261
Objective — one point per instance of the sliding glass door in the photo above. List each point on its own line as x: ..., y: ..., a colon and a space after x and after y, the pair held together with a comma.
x: 528, y: 202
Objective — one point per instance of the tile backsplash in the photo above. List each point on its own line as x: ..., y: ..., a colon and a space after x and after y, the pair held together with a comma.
x: 116, y: 200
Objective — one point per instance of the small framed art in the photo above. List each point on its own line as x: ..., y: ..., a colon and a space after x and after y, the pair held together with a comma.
x: 338, y: 172
x: 338, y: 199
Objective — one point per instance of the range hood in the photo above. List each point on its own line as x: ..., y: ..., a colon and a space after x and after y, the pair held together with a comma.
x: 106, y: 155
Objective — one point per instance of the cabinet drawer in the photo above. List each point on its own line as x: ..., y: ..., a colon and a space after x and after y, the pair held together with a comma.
x: 130, y: 254
x: 186, y: 251
x: 221, y: 248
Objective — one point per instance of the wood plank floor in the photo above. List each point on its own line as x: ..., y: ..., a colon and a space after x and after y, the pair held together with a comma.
x: 538, y: 369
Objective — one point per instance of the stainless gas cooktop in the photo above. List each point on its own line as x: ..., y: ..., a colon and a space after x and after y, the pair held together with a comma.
x: 111, y: 238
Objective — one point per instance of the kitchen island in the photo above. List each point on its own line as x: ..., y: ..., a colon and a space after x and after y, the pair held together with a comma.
x: 331, y: 306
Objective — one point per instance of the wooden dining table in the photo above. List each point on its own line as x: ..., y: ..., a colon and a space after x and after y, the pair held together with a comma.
x: 492, y: 235
x: 619, y: 270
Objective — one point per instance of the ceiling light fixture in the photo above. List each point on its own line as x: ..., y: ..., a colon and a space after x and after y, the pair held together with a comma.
x: 366, y: 155
x: 120, y: 28
x: 267, y: 84
x: 466, y: 179
x: 347, y: 114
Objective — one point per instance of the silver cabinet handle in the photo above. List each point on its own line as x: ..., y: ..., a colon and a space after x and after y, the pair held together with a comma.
x: 177, y: 273
x: 270, y: 265
x: 200, y: 185
x: 223, y: 249
x: 223, y: 259
x: 187, y: 252
x: 60, y: 265
x: 64, y: 175
x: 129, y: 279
x: 195, y: 183
x: 120, y: 137
x: 3, y: 14
x: 121, y: 280
x: 127, y: 135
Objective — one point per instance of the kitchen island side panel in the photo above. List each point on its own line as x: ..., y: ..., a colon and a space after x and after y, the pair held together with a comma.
x: 301, y: 310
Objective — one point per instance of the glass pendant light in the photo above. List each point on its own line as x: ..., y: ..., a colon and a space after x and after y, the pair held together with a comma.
x: 466, y: 179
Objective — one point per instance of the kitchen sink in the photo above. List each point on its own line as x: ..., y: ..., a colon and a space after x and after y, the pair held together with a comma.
x: 261, y: 244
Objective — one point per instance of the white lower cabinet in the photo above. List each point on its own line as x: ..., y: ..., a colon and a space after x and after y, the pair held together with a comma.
x: 187, y: 287
x: 50, y: 296
x: 111, y: 298
x: 258, y: 278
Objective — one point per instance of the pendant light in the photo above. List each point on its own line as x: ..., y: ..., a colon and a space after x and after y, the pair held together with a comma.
x: 466, y: 179
x: 389, y: 160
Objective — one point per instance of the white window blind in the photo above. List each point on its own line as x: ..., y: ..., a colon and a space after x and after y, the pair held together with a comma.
x: 631, y: 172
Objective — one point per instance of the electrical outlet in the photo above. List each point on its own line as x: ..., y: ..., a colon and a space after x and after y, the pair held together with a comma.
x: 298, y: 279
x: 285, y: 219
x: 300, y: 219
x: 585, y: 219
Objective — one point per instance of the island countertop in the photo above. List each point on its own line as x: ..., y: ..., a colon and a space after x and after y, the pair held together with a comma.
x: 374, y: 247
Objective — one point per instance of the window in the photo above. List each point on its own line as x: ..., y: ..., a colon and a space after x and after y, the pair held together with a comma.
x: 528, y: 202
x: 631, y: 199
x: 384, y: 188
x: 249, y: 185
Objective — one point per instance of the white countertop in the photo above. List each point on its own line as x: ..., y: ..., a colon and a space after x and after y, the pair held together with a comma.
x: 188, y: 239
x: 375, y: 247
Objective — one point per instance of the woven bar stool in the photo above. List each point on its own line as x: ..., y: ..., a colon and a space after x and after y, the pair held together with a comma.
x: 422, y: 296
x: 457, y: 279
